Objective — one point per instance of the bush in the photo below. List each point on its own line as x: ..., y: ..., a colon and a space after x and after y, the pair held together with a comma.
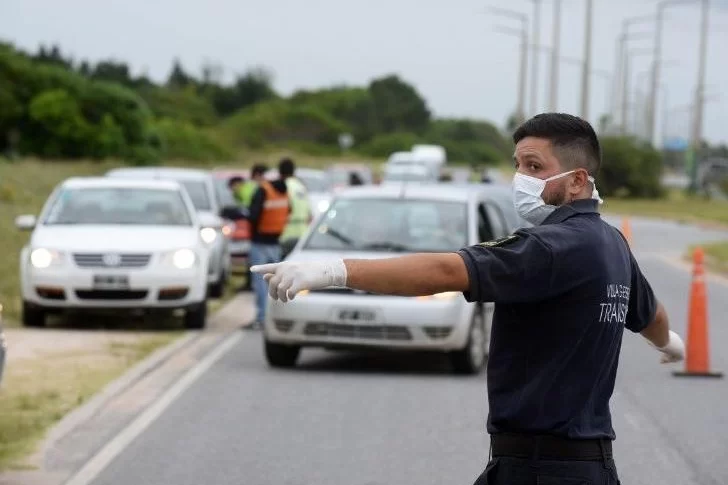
x: 281, y: 122
x: 384, y: 145
x: 182, y: 140
x: 629, y: 169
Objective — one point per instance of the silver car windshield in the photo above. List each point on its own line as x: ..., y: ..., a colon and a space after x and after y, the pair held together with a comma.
x: 197, y: 191
x: 132, y: 206
x: 398, y: 225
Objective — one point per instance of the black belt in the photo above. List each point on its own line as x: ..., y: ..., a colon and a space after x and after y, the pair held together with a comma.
x: 549, y: 447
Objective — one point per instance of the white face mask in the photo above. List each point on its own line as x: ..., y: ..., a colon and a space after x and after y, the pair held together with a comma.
x: 527, y: 196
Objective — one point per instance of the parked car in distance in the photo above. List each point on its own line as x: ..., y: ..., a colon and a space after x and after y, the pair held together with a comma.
x: 379, y: 222
x: 105, y: 243
x: 200, y: 186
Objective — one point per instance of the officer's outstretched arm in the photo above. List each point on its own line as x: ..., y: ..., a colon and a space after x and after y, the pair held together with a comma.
x: 412, y: 275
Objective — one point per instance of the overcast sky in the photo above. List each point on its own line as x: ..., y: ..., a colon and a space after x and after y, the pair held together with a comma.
x: 447, y: 49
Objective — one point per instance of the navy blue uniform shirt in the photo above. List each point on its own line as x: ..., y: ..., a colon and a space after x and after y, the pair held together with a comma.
x: 564, y: 291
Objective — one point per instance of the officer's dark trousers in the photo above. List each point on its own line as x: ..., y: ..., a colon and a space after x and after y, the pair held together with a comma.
x: 507, y: 470
x: 504, y: 470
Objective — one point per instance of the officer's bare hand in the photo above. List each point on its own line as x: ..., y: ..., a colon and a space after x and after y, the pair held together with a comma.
x: 674, y: 351
x: 286, y: 279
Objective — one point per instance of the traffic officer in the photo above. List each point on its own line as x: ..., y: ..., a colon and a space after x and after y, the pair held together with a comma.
x: 269, y: 212
x: 300, y: 215
x: 564, y: 290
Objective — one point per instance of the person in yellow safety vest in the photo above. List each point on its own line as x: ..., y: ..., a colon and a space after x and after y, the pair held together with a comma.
x: 300, y: 215
x: 247, y: 191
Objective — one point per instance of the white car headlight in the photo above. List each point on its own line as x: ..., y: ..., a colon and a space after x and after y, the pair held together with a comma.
x: 323, y: 206
x: 208, y: 234
x: 42, y: 258
x: 183, y: 258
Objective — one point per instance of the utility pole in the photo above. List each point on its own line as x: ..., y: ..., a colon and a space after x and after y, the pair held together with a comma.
x: 616, y: 86
x: 652, y: 109
x: 522, y: 34
x: 626, y: 84
x: 585, y: 78
x: 534, y: 61
x: 555, y: 53
x: 697, y: 131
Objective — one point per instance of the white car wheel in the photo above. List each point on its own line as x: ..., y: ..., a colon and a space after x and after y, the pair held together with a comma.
x: 471, y: 359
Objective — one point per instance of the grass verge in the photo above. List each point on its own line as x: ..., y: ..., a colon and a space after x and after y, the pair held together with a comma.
x: 676, y: 206
x: 38, y: 392
x: 716, y: 256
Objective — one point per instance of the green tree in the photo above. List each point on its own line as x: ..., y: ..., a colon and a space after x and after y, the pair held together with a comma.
x: 398, y: 106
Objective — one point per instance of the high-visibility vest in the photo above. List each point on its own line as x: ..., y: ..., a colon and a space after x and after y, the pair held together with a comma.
x: 300, y: 215
x: 246, y: 192
x: 274, y: 216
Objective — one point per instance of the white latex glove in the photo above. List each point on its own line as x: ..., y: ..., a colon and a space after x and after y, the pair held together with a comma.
x: 674, y: 351
x: 286, y: 279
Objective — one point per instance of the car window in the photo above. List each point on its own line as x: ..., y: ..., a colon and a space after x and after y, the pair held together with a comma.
x: 385, y: 224
x: 224, y: 194
x: 197, y: 191
x: 133, y: 206
x: 497, y: 221
x: 485, y: 229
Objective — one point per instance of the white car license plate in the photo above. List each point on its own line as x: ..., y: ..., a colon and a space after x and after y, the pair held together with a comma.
x: 357, y: 316
x: 111, y: 282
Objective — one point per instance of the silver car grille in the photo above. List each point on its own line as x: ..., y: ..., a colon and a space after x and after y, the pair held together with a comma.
x: 111, y: 260
x: 371, y: 332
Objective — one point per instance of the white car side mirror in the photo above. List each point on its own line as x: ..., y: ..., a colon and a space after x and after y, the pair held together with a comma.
x: 25, y: 222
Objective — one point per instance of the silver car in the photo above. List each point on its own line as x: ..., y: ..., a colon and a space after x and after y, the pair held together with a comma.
x: 200, y: 186
x: 385, y: 221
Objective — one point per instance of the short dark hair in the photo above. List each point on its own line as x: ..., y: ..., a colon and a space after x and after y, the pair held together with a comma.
x: 286, y: 167
x: 258, y: 169
x: 235, y: 180
x: 573, y: 139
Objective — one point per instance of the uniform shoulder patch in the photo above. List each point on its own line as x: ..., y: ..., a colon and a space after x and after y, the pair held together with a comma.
x: 500, y: 242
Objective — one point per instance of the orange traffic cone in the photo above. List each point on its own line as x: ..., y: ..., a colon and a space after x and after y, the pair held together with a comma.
x: 627, y: 230
x: 697, y: 362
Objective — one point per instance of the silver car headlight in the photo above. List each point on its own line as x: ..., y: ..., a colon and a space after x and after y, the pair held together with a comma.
x: 181, y: 258
x: 323, y: 205
x: 42, y: 258
x: 208, y: 235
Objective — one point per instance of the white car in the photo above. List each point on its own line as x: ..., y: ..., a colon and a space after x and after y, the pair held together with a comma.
x: 105, y: 243
x: 412, y: 172
x: 384, y: 221
x: 200, y: 186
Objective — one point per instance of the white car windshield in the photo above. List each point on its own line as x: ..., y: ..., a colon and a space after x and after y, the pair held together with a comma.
x: 197, y: 191
x: 131, y: 206
x: 384, y: 224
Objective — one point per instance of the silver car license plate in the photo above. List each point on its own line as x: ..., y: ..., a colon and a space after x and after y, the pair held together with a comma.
x: 111, y: 282
x: 357, y: 316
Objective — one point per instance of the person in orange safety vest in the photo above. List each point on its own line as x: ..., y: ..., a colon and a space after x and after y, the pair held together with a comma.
x: 269, y: 212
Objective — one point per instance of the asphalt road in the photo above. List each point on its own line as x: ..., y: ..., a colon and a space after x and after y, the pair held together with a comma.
x: 363, y: 420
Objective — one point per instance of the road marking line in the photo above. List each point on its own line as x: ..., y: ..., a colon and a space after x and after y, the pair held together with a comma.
x: 118, y: 444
